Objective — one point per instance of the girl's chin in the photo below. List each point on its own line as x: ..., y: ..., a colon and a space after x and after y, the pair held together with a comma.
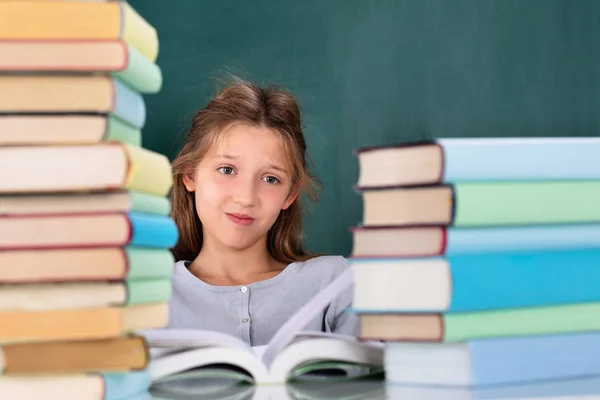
x: 237, y: 243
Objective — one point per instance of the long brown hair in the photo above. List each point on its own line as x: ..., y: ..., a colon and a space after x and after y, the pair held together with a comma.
x: 244, y: 102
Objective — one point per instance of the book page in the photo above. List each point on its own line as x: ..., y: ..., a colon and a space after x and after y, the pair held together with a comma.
x: 288, y: 331
x: 191, y: 338
x: 327, y: 358
x: 259, y: 350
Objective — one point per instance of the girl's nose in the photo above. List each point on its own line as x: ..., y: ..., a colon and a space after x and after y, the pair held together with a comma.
x: 245, y: 192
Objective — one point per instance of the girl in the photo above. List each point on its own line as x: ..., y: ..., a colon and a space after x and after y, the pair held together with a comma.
x: 241, y: 265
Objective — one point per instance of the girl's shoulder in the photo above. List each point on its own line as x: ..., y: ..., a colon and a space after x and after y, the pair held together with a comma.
x: 326, y: 261
x: 327, y: 266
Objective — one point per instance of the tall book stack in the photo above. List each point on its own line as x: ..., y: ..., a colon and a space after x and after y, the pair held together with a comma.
x: 477, y: 260
x: 85, y: 230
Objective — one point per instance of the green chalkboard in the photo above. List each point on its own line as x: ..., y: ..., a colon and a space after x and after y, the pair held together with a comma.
x: 370, y: 72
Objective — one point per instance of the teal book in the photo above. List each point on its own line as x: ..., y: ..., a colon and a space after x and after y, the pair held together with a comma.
x: 476, y: 281
x: 152, y: 230
x: 76, y: 230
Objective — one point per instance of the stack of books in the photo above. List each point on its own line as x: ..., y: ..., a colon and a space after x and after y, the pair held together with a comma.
x: 477, y: 260
x: 85, y: 230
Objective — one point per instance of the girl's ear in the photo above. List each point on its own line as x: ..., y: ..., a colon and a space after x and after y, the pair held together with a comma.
x: 293, y: 196
x: 290, y: 200
x: 189, y: 182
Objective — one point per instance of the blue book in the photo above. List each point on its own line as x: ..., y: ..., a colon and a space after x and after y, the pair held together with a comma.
x: 479, y: 159
x: 584, y: 388
x: 476, y: 281
x: 72, y: 94
x: 426, y: 241
x: 522, y: 238
x: 129, y: 104
x: 494, y: 362
x: 149, y: 230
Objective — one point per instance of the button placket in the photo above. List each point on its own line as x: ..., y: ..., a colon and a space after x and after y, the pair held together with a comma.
x: 245, y: 317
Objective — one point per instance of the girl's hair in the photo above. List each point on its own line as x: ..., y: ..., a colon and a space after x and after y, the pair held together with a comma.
x: 245, y: 102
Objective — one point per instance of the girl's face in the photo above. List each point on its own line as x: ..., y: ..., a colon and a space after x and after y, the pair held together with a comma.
x: 241, y: 186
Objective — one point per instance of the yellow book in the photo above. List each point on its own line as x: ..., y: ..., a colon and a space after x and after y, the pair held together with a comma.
x: 80, y: 168
x: 80, y: 324
x: 70, y: 20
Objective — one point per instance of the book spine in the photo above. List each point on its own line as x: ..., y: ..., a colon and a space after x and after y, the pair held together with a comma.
x: 149, y: 204
x: 122, y: 385
x: 523, y: 279
x: 141, y: 74
x: 148, y: 291
x: 521, y: 203
x: 528, y: 321
x: 152, y: 230
x: 149, y: 263
x: 149, y: 172
x: 138, y: 32
x: 129, y: 105
x: 512, y: 238
x: 118, y: 130
x: 538, y: 358
x: 507, y: 160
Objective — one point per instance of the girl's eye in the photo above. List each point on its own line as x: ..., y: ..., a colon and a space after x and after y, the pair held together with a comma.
x: 226, y: 170
x: 271, y: 179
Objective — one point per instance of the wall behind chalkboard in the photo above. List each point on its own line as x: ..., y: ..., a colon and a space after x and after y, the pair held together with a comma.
x: 370, y: 72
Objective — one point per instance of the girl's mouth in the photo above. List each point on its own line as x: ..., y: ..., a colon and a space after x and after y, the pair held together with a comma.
x: 240, y: 219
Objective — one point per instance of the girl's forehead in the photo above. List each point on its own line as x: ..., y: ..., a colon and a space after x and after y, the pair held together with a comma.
x: 257, y: 145
x: 243, y: 140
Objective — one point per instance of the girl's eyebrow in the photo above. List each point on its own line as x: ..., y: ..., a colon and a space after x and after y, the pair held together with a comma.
x: 230, y: 157
x: 278, y: 168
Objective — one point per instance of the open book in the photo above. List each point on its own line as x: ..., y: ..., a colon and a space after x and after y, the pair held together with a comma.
x: 208, y: 358
x: 290, y: 355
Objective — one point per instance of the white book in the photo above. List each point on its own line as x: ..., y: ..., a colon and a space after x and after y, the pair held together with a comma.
x: 292, y: 354
x: 185, y: 354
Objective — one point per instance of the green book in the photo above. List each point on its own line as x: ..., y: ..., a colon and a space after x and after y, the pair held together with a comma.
x: 483, y: 204
x: 60, y: 203
x: 512, y: 203
x: 141, y: 74
x: 147, y: 291
x: 84, y: 265
x: 61, y: 129
x: 559, y: 319
x: 465, y: 326
x: 148, y: 263
x: 118, y: 130
x: 69, y: 295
